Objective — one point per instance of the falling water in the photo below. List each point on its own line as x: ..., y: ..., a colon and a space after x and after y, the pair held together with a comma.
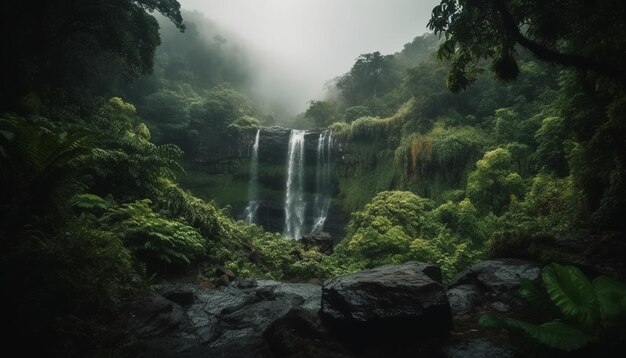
x: 294, y: 198
x: 253, y: 202
x: 322, y: 182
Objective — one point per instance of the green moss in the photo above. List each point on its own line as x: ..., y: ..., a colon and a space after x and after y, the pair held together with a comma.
x: 224, y: 189
x: 436, y: 162
x: 359, y: 184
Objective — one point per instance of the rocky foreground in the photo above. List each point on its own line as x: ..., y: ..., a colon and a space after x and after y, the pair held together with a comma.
x: 389, y: 311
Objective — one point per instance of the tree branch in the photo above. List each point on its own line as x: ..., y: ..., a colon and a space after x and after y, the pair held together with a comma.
x: 547, y: 54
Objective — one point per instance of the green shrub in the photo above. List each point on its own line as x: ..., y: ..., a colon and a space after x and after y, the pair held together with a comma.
x: 355, y: 112
x: 379, y: 243
x: 463, y: 219
x: 155, y: 238
x: 450, y: 252
x: 274, y: 256
x: 493, y: 186
x: 70, y: 285
x: 438, y: 161
x: 397, y: 226
x: 554, y: 203
x: 400, y: 208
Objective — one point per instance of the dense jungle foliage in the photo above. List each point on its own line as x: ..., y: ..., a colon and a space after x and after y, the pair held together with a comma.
x: 506, y: 124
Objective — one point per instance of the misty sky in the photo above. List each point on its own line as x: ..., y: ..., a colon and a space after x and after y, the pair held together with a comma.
x: 304, y: 43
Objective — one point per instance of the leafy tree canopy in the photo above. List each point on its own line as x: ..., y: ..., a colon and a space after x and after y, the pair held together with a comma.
x: 569, y: 33
x: 78, y: 45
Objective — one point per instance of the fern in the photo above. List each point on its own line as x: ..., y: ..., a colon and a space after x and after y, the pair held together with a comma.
x: 156, y: 238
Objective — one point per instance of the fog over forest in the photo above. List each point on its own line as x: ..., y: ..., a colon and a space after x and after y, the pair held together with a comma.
x: 299, y: 45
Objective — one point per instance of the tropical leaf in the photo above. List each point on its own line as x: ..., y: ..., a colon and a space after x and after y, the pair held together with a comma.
x: 572, y: 293
x: 533, y: 295
x: 554, y: 334
x: 491, y: 320
x: 611, y: 297
x: 8, y: 135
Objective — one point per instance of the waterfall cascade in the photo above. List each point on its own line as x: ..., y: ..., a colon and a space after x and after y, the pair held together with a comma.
x: 296, y: 223
x: 253, y: 201
x: 322, y: 182
x: 294, y: 193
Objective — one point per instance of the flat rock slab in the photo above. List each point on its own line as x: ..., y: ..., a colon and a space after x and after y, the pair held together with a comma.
x: 229, y: 321
x: 498, y: 276
x: 492, y: 282
x: 477, y: 348
x: 393, y: 301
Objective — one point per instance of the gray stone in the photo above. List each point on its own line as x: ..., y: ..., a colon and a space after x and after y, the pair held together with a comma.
x: 498, y: 278
x: 392, y: 300
x: 500, y: 306
x: 463, y: 298
x: 311, y: 294
x: 228, y: 321
x: 224, y: 298
x: 259, y: 315
x: 245, y: 283
x: 477, y: 348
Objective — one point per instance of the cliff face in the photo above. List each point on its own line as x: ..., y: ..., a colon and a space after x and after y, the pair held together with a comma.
x: 223, y: 175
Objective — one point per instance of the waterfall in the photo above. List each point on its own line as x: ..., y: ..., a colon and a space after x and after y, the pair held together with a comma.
x: 294, y: 197
x: 253, y: 202
x: 322, y: 182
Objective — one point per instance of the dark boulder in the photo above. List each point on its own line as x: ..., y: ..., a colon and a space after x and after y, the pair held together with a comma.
x: 490, y: 286
x: 322, y: 241
x: 388, y: 302
x: 153, y: 316
x: 183, y: 294
x: 492, y: 282
x: 301, y: 334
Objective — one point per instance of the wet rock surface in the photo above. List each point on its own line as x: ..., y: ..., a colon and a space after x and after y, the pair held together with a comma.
x: 390, y: 311
x: 478, y: 348
x: 462, y: 298
x: 228, y: 321
x: 488, y: 286
x: 388, y: 301
x: 491, y: 282
x: 273, y: 144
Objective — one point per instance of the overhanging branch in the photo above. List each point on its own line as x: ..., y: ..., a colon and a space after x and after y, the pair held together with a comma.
x: 547, y: 54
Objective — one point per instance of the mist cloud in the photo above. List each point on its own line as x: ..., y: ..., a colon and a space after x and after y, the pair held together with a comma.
x: 301, y: 44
